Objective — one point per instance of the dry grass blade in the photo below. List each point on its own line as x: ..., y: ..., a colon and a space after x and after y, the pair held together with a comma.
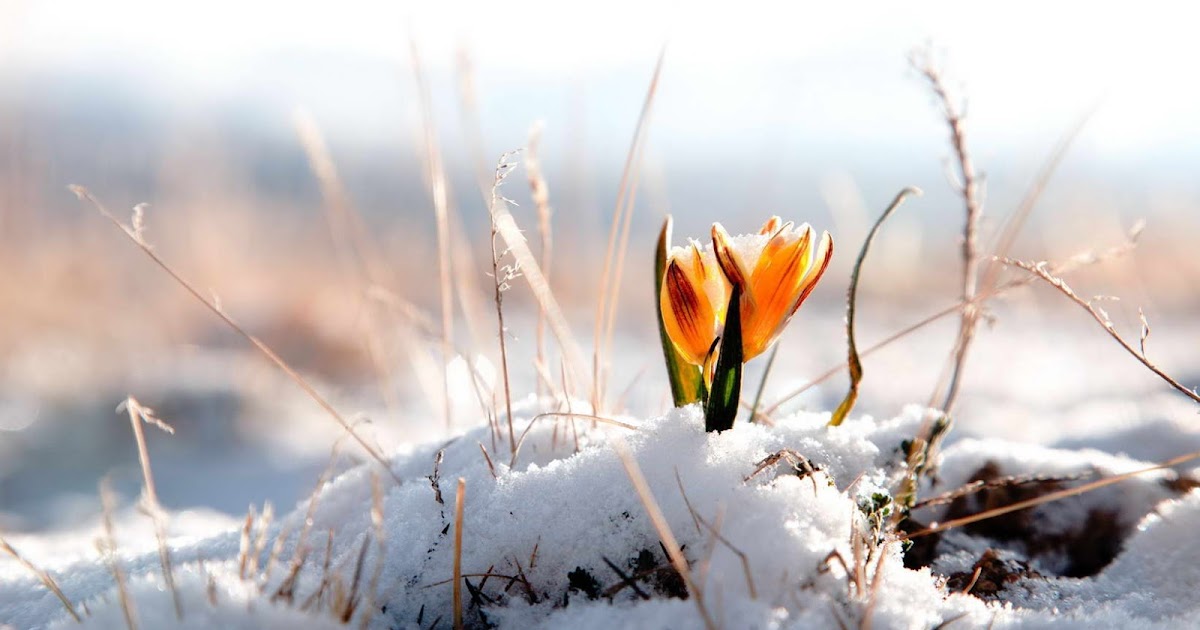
x: 137, y: 415
x: 1040, y: 271
x: 755, y: 415
x: 441, y: 212
x: 108, y: 548
x: 1075, y: 262
x: 873, y: 598
x: 43, y: 576
x: 852, y: 361
x: 507, y: 228
x: 1004, y: 482
x: 258, y: 344
x: 460, y: 498
x: 468, y: 97
x: 664, y: 531
x: 540, y: 193
x: 286, y: 590
x: 715, y: 532
x: 1013, y: 225
x: 360, y: 258
x: 618, y: 240
x: 567, y: 414
x: 1049, y: 497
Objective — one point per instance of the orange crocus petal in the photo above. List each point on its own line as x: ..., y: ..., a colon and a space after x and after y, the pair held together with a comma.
x: 771, y: 226
x: 821, y: 261
x: 728, y: 259
x: 777, y: 282
x: 687, y: 313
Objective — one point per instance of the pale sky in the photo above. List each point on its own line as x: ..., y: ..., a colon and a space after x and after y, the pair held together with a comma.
x: 829, y: 68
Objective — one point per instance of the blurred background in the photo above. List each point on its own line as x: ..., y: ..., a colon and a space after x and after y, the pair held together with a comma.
x: 807, y: 110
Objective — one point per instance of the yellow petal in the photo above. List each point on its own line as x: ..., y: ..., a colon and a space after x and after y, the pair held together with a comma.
x: 771, y: 226
x: 687, y: 313
x: 821, y: 261
x: 777, y: 283
x: 728, y: 258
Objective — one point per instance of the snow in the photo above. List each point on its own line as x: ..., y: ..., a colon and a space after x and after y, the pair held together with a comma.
x: 559, y: 512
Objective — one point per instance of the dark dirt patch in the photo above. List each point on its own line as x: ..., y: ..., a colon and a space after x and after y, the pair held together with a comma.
x: 991, y: 576
x: 1181, y: 484
x: 647, y: 573
x: 582, y: 581
x: 1088, y: 546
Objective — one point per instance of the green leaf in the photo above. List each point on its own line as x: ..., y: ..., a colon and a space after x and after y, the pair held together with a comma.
x: 726, y: 388
x: 687, y: 386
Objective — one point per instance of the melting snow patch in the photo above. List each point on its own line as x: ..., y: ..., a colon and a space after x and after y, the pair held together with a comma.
x: 561, y: 539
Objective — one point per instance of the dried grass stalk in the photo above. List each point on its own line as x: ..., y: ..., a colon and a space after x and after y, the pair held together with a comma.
x: 258, y: 344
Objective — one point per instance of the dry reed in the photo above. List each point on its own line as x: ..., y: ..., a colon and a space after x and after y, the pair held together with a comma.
x: 137, y: 415
x: 263, y: 348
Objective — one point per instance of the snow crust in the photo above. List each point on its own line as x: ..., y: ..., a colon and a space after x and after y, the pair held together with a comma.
x: 559, y: 512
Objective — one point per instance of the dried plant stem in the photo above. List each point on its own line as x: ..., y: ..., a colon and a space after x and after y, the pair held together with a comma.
x: 755, y: 414
x: 715, y: 532
x: 1040, y: 271
x: 507, y: 228
x: 468, y: 98
x: 265, y: 350
x: 1013, y: 225
x: 573, y: 416
x: 968, y: 188
x: 441, y: 212
x: 361, y: 260
x: 1075, y: 262
x: 109, y: 548
x: 618, y: 239
x: 137, y: 415
x: 500, y: 283
x: 853, y: 364
x: 286, y: 589
x: 43, y: 576
x: 654, y: 511
x: 460, y: 497
x: 540, y: 193
x: 1048, y: 498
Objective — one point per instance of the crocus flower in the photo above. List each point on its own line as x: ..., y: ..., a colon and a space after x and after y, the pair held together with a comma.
x: 776, y: 269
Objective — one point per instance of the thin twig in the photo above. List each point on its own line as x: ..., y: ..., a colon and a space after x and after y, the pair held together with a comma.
x: 1039, y: 270
x: 714, y: 530
x: 258, y: 344
x: 969, y: 190
x: 1077, y: 261
x: 1048, y: 497
x: 1005, y: 482
x: 1014, y: 223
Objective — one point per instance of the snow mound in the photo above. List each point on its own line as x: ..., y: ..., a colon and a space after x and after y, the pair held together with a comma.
x: 562, y: 539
